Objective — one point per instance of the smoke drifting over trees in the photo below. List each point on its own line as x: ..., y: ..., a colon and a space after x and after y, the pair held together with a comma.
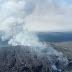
x: 13, y: 27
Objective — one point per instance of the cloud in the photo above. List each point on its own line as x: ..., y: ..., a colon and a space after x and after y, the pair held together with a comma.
x: 50, y: 15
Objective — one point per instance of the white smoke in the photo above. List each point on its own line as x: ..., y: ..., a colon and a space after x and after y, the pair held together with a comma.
x: 13, y: 17
x: 12, y: 23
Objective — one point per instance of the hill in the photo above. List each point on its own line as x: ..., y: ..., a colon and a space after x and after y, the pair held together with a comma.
x: 20, y: 59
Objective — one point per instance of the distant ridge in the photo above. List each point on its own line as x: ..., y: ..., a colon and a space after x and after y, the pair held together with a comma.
x: 55, y: 36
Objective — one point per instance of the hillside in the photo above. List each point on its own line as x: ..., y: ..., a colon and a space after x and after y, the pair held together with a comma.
x: 20, y: 59
x: 23, y: 59
x: 66, y: 49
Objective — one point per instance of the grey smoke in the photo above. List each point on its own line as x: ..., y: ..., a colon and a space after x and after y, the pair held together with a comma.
x: 52, y: 55
x: 12, y: 26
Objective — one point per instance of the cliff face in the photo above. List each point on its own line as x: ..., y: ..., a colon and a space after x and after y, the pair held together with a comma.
x: 20, y: 59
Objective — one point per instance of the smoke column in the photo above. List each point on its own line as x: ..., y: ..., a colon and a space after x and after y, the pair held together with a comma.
x: 13, y: 27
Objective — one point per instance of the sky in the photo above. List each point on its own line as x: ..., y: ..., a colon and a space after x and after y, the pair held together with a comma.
x: 50, y: 15
x: 37, y: 15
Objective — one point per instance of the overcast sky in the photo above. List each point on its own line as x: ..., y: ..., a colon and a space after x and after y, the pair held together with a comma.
x: 50, y: 15
x: 37, y: 15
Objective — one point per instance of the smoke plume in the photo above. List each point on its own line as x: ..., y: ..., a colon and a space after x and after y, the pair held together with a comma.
x: 13, y: 14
